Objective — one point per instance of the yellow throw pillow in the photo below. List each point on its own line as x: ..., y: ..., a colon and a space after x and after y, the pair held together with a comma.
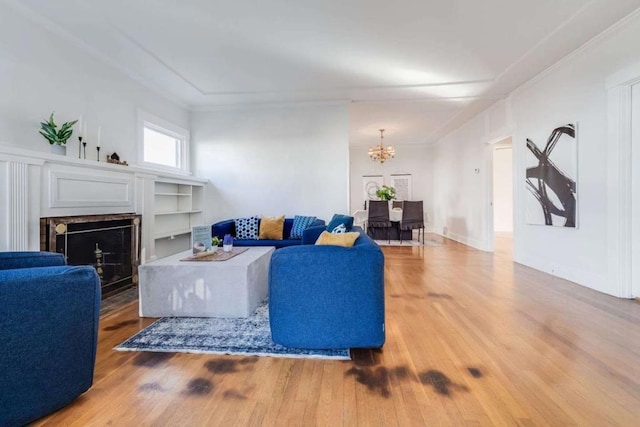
x: 338, y: 239
x: 271, y: 227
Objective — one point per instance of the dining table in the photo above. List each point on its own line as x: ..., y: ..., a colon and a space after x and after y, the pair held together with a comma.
x: 361, y: 216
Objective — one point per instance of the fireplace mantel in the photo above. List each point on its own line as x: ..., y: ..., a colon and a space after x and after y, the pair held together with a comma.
x: 40, y: 184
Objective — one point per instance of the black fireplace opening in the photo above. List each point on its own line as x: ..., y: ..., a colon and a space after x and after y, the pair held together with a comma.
x: 108, y: 244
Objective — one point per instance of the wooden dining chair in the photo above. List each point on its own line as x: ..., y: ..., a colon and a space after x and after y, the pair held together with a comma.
x: 397, y: 204
x: 379, y: 216
x: 412, y: 218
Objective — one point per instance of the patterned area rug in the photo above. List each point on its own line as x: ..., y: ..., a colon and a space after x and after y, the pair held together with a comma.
x: 244, y: 336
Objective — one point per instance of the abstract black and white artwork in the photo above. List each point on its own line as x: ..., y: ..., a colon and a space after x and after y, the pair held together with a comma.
x: 551, y: 178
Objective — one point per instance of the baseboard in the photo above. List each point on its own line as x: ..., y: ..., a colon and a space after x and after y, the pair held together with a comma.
x: 464, y: 240
x: 581, y: 276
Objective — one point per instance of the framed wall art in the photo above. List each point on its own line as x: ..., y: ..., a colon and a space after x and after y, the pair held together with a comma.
x: 551, y: 177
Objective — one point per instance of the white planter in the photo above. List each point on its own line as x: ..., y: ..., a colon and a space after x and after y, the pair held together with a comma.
x: 59, y: 149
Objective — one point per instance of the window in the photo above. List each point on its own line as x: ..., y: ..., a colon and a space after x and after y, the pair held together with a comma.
x: 163, y: 145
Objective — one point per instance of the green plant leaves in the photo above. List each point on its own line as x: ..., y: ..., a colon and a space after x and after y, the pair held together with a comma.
x: 386, y: 193
x: 53, y: 135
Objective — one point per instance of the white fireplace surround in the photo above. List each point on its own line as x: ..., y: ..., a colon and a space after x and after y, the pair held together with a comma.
x: 38, y: 184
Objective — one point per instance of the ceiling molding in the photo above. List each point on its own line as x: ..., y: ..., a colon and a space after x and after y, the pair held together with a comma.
x: 427, y: 99
x: 156, y: 58
x: 582, y: 48
x: 360, y: 88
x: 266, y: 105
x: 60, y: 31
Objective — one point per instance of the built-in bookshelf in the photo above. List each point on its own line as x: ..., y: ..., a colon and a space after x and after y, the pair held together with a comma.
x: 40, y: 185
x: 177, y: 206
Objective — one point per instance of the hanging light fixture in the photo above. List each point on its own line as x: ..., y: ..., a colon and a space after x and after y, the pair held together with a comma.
x: 380, y: 153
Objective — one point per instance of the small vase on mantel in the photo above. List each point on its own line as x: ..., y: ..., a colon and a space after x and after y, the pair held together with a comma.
x: 59, y: 149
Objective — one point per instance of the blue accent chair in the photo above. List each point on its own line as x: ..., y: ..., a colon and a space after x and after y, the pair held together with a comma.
x: 49, y: 315
x: 328, y: 297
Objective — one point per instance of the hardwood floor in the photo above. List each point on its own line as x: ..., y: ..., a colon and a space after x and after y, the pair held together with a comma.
x: 472, y: 339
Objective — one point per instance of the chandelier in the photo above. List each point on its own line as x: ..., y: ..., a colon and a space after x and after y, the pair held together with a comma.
x: 379, y: 153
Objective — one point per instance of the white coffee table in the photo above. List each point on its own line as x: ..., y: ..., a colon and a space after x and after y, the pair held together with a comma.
x: 232, y: 288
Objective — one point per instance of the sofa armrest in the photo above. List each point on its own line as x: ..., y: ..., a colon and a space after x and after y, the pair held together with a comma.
x: 311, y: 234
x: 29, y: 259
x: 50, y: 329
x: 221, y: 228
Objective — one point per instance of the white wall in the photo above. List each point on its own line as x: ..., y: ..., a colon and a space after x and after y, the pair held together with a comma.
x: 572, y: 91
x: 273, y: 161
x: 460, y: 183
x: 503, y: 189
x: 41, y: 71
x: 411, y: 159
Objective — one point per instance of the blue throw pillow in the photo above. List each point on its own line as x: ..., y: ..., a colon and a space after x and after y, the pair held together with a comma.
x: 340, y: 224
x: 246, y: 228
x: 300, y: 223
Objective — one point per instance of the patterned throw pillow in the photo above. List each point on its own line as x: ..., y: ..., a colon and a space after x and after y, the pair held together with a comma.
x: 340, y: 224
x: 300, y: 223
x: 246, y: 228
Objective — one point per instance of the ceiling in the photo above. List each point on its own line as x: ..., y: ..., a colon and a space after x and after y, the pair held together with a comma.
x: 418, y: 68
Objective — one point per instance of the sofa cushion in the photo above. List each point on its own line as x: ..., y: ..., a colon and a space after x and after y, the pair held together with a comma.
x: 271, y: 227
x: 338, y: 239
x: 246, y: 228
x: 300, y: 223
x: 340, y: 224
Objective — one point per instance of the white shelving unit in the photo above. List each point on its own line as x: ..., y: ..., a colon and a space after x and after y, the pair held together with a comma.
x: 177, y: 206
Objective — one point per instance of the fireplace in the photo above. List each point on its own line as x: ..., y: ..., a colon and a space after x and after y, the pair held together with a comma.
x: 110, y: 243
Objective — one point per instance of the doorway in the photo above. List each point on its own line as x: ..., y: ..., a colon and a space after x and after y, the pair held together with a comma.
x: 503, y: 196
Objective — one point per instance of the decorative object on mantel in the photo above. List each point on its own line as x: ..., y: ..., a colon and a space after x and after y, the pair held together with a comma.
x: 81, y: 132
x: 386, y: 193
x: 57, y: 137
x: 98, y: 145
x: 115, y: 159
x: 380, y: 153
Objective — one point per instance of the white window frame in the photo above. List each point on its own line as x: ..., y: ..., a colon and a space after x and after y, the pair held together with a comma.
x: 148, y: 120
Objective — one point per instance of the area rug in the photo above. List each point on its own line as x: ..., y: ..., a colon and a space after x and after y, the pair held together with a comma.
x: 408, y: 243
x: 250, y: 336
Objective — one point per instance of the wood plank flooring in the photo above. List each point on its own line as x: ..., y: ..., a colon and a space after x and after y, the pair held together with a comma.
x: 472, y: 339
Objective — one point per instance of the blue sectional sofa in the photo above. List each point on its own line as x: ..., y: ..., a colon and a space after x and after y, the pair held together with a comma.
x: 328, y: 296
x: 221, y: 228
x: 49, y: 330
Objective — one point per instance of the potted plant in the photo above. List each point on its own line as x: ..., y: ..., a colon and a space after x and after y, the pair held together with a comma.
x: 57, y: 137
x: 215, y: 242
x: 386, y: 193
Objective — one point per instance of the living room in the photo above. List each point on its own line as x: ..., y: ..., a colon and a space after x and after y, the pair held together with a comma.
x: 295, y: 143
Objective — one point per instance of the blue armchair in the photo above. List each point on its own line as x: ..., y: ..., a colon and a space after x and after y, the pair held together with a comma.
x: 49, y: 316
x: 328, y: 296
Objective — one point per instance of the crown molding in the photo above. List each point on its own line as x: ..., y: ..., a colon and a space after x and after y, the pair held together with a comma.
x: 58, y: 30
x: 266, y: 105
x: 580, y: 50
